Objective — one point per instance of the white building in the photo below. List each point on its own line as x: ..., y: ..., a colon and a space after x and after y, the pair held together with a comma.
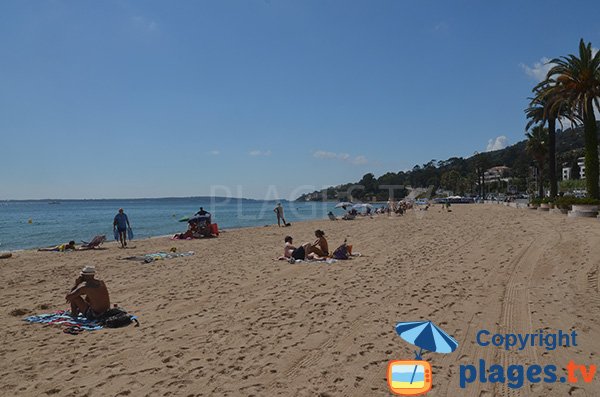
x: 567, y: 171
x: 496, y: 174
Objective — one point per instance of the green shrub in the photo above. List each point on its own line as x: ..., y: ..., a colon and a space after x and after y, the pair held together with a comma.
x: 566, y: 202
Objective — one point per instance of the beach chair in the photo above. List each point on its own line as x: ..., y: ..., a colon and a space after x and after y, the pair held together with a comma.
x: 94, y: 243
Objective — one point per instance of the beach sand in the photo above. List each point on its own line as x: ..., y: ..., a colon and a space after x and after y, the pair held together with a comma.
x: 233, y: 321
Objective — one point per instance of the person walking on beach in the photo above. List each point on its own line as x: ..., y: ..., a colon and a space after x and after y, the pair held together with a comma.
x: 120, y: 224
x: 96, y: 301
x: 279, y: 212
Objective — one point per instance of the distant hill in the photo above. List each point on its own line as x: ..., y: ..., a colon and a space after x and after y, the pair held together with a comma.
x: 456, y: 173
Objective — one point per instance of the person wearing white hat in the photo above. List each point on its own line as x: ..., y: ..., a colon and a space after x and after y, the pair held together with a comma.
x: 90, y: 296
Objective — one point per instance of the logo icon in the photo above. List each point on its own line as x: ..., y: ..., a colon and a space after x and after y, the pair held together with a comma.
x: 414, y: 377
x: 409, y: 377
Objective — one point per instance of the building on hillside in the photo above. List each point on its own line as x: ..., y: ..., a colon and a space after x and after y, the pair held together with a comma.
x: 496, y: 174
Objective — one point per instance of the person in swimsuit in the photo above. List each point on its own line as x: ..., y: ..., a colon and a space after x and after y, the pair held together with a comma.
x: 320, y: 247
x: 279, y: 212
x: 60, y: 248
x: 89, y: 297
x: 288, y: 249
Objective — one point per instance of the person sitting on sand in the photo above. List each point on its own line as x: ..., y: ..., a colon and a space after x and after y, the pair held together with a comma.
x: 288, y: 248
x: 60, y: 248
x: 320, y: 247
x: 96, y: 301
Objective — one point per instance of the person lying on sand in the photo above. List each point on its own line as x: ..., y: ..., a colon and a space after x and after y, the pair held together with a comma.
x: 60, y: 248
x: 96, y: 301
x: 305, y: 252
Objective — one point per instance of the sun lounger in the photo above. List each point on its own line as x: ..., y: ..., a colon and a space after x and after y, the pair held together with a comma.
x: 94, y: 243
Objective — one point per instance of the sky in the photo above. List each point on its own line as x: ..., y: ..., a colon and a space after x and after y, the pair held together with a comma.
x: 262, y: 99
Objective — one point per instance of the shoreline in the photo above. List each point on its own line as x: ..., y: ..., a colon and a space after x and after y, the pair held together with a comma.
x: 34, y: 249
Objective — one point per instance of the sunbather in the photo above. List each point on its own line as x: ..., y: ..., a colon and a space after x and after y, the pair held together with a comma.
x: 60, y: 248
x: 96, y: 301
x: 288, y: 248
x: 304, y: 252
x: 320, y: 247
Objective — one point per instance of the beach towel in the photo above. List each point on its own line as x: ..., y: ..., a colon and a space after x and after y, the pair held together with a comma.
x: 129, y: 233
x: 148, y: 258
x: 328, y: 261
x: 62, y: 318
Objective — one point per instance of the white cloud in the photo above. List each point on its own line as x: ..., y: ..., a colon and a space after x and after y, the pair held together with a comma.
x: 500, y: 142
x: 215, y: 152
x: 357, y: 160
x: 539, y: 70
x: 360, y: 160
x: 259, y: 153
x: 320, y: 154
x: 144, y: 24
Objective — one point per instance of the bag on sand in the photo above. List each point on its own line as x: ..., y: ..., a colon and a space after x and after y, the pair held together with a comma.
x: 341, y: 252
x: 117, y: 318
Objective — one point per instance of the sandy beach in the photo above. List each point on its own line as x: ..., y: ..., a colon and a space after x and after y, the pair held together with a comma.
x: 233, y: 321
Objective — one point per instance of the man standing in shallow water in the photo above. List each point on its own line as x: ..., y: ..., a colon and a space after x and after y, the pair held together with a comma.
x: 279, y: 212
x: 96, y: 301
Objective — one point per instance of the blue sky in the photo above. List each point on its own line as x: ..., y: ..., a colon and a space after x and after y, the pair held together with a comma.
x: 262, y: 98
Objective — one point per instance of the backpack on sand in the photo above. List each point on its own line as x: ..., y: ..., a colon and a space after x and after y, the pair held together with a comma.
x: 341, y: 252
x: 117, y: 318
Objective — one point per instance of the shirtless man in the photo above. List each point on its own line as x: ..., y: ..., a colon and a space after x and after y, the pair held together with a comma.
x: 96, y: 300
x: 279, y: 212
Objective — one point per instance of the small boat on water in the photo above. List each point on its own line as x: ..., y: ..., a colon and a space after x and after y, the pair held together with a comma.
x: 54, y: 202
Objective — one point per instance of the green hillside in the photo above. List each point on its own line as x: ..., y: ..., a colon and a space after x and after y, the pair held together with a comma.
x: 457, y: 173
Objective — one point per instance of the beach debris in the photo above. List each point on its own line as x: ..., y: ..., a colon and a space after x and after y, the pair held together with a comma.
x: 19, y: 312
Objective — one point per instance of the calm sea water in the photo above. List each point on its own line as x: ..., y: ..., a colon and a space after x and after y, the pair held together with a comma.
x: 78, y: 220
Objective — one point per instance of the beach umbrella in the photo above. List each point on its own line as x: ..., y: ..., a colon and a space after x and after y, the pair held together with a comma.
x: 343, y: 205
x: 426, y: 335
x: 362, y: 206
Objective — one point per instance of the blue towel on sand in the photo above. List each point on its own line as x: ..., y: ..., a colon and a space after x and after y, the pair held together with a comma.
x: 63, y: 318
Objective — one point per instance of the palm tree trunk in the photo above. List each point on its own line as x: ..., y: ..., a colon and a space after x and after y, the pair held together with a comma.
x: 591, y: 151
x: 552, y: 157
x: 541, y: 181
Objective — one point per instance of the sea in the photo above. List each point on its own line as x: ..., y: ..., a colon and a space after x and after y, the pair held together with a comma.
x: 42, y: 223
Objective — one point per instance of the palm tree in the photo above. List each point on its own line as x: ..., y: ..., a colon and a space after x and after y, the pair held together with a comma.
x: 537, y: 147
x: 545, y: 108
x: 578, y: 83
